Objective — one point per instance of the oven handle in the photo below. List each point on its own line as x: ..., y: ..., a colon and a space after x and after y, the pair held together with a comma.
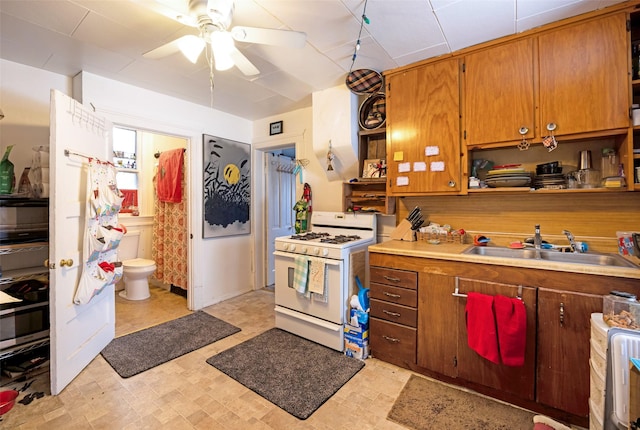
x: 292, y: 256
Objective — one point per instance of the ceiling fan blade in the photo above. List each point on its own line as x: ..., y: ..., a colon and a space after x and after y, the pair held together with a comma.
x: 243, y: 63
x: 269, y: 36
x: 176, y: 46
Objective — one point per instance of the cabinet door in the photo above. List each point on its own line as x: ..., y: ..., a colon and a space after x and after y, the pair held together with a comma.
x: 499, y: 97
x: 437, y: 320
x: 563, y: 349
x: 519, y: 381
x: 423, y: 111
x: 584, y: 83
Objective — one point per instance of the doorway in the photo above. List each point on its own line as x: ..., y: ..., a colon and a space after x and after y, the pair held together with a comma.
x: 280, y: 198
x: 264, y: 201
x: 136, y: 179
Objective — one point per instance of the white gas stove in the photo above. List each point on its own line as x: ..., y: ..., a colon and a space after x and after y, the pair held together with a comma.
x: 337, y: 242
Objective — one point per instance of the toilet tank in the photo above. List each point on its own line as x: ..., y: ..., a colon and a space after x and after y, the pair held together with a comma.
x: 128, y: 248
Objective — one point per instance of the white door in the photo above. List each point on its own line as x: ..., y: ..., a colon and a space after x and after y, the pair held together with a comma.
x: 281, y: 189
x: 78, y: 332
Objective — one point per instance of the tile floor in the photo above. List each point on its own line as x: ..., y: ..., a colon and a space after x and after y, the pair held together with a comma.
x: 187, y: 393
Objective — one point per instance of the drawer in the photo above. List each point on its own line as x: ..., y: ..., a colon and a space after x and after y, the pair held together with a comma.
x: 392, y: 342
x: 399, y: 278
x: 395, y: 313
x: 388, y: 293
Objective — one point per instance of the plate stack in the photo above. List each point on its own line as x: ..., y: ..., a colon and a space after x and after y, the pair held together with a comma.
x: 550, y: 181
x: 508, y: 175
x: 549, y: 176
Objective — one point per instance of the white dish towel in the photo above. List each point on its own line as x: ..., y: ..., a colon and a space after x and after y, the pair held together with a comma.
x: 317, y: 281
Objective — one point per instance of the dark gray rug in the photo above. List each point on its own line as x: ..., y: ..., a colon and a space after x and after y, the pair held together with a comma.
x: 136, y: 352
x: 293, y: 373
x: 425, y: 404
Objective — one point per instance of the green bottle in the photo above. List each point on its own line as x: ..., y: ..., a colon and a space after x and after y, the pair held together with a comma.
x: 7, y: 176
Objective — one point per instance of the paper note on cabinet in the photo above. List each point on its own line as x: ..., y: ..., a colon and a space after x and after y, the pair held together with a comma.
x: 419, y: 166
x: 431, y: 150
x: 398, y: 156
x: 437, y: 166
x: 402, y: 181
x: 404, y: 167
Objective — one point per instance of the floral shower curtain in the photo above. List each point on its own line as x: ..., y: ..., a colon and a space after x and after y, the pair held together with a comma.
x: 170, y: 230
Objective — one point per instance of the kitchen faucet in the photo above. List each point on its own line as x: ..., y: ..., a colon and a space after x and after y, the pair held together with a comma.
x: 572, y: 241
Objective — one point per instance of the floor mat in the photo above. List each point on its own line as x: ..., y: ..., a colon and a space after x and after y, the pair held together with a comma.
x: 145, y: 349
x: 427, y: 404
x: 293, y: 373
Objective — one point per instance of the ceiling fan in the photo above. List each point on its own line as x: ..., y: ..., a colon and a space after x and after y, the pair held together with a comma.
x: 212, y: 19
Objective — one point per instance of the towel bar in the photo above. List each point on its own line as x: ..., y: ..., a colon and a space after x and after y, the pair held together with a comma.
x: 457, y: 293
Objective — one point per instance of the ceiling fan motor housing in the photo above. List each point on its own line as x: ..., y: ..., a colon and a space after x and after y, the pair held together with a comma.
x: 217, y: 12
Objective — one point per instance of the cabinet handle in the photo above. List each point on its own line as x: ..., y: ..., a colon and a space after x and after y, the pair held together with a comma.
x: 395, y: 296
x: 561, y: 314
x: 393, y: 314
x: 391, y: 339
x: 390, y: 278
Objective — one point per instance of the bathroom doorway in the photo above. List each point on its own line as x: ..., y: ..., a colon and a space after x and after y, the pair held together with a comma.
x: 136, y: 155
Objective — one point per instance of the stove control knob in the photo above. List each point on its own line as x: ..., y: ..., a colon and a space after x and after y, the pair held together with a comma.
x: 325, y: 252
x: 316, y: 251
x: 285, y: 246
x: 292, y: 247
x: 304, y: 250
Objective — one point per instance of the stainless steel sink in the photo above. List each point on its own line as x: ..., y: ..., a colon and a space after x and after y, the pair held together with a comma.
x: 592, y: 259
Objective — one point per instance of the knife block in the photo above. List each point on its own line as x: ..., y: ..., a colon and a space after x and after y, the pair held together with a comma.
x: 403, y: 232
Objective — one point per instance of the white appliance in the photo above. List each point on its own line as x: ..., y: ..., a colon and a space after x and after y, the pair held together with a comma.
x: 340, y: 241
x: 611, y: 349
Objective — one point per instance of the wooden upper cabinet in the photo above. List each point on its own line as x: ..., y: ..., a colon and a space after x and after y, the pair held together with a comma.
x: 423, y: 111
x: 584, y: 82
x: 499, y: 93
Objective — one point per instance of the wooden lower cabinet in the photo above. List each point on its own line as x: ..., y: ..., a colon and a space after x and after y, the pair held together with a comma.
x: 442, y: 335
x: 562, y: 377
x: 555, y: 377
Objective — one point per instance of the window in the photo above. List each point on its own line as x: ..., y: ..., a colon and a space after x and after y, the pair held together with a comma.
x: 125, y: 145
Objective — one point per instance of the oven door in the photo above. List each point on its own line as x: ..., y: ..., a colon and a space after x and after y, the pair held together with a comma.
x: 333, y: 310
x: 23, y: 323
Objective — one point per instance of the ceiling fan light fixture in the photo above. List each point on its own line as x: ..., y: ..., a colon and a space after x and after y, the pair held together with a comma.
x: 222, y: 46
x: 191, y: 47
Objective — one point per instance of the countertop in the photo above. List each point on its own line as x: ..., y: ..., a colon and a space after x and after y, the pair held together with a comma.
x: 453, y: 252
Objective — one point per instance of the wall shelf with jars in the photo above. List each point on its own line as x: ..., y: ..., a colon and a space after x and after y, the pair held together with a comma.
x: 125, y: 160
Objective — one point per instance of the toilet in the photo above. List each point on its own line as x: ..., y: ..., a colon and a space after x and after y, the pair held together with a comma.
x: 136, y: 271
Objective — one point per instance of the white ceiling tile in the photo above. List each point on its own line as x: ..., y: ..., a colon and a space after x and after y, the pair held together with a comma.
x: 532, y: 14
x: 469, y: 22
x: 285, y: 84
x: 59, y: 16
x: 403, y: 27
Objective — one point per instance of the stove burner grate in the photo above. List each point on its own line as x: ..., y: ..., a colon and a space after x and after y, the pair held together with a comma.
x: 309, y: 236
x: 341, y: 238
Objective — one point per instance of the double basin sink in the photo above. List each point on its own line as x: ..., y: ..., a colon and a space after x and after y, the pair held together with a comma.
x: 591, y: 259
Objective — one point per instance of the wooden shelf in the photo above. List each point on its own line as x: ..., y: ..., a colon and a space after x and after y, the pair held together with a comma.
x: 368, y: 195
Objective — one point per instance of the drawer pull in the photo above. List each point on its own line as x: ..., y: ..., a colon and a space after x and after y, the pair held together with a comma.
x: 391, y: 339
x: 391, y: 278
x: 395, y: 296
x: 393, y: 314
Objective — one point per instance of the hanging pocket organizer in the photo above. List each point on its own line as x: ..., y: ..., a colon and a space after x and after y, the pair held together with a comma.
x: 102, y: 233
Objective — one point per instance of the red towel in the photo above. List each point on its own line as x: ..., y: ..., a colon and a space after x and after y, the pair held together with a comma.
x: 169, y: 176
x: 511, y: 322
x: 481, y: 326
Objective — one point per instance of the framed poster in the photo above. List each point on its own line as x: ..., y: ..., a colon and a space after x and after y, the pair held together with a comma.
x: 275, y: 128
x: 226, y: 186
